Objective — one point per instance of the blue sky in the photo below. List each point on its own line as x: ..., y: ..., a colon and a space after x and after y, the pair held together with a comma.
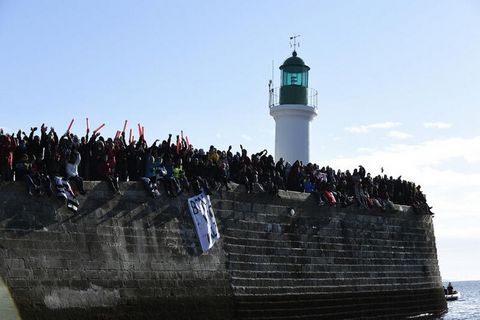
x: 398, y: 84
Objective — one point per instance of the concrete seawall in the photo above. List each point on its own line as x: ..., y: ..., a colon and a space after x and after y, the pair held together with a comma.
x: 132, y: 257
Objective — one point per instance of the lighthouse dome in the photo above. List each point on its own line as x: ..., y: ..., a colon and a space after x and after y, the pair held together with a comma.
x: 294, y: 62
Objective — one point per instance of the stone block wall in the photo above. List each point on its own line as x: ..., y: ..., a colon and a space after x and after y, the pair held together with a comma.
x: 129, y: 256
x: 329, y: 263
x: 119, y: 257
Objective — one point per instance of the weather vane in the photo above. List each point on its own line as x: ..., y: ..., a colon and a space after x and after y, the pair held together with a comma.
x: 295, y: 43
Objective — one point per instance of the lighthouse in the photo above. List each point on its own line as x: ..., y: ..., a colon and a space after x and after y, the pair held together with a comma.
x: 293, y: 107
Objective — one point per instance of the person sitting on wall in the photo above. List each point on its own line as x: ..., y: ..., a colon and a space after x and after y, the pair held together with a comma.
x: 328, y: 195
x: 420, y: 203
x: 133, y: 162
x: 172, y: 187
x: 245, y: 176
x: 31, y: 172
x: 121, y: 157
x: 359, y: 193
x: 256, y: 186
x: 318, y: 190
x: 179, y: 175
x: 210, y: 173
x: 20, y: 157
x: 195, y: 175
x: 106, y: 173
x: 384, y: 198
x: 7, y: 147
x: 71, y: 170
x: 295, y: 179
x: 153, y: 172
x: 64, y: 192
x: 38, y: 181
x: 223, y: 171
x: 308, y: 186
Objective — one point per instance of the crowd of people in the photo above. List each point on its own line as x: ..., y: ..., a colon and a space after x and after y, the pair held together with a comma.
x: 48, y: 163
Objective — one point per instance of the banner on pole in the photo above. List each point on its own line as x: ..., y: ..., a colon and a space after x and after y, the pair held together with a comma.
x: 204, y: 219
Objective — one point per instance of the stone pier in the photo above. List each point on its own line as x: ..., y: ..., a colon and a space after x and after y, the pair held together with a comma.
x: 130, y: 256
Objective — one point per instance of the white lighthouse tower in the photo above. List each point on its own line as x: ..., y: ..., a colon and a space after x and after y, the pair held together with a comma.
x: 293, y: 108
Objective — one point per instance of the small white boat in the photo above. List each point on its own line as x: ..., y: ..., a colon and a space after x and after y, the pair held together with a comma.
x: 452, y: 297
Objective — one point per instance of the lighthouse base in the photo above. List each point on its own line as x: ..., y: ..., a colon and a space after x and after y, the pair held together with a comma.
x: 292, y: 131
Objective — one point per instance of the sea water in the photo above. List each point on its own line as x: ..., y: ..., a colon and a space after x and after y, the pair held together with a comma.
x: 468, y: 306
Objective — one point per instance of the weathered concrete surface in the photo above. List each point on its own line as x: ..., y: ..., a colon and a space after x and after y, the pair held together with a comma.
x: 328, y: 263
x: 132, y: 257
x: 8, y: 309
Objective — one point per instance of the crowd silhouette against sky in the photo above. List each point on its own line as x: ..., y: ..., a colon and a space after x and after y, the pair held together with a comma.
x: 49, y: 164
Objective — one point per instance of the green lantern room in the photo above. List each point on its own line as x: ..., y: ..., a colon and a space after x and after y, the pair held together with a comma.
x: 294, y: 80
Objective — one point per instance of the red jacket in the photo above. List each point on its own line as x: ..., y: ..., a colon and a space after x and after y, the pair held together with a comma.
x: 7, y: 147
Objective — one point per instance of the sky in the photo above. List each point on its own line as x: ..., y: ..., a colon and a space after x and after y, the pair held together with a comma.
x: 398, y: 84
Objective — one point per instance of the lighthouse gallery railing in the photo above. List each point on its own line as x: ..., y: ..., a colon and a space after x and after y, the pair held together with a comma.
x: 274, y: 97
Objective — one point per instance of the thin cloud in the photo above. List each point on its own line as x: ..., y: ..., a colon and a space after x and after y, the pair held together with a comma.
x: 434, y: 164
x: 399, y: 135
x: 437, y: 125
x: 365, y: 150
x: 450, y: 232
x: 269, y: 132
x: 246, y: 137
x: 367, y: 128
x: 415, y: 158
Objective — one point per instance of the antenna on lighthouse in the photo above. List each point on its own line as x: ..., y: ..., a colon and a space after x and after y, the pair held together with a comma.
x: 273, y: 74
x: 271, y: 89
x: 295, y: 43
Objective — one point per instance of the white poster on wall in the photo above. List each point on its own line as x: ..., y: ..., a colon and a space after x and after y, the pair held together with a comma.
x: 202, y: 214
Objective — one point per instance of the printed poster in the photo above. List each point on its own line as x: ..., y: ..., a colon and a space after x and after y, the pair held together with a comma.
x: 204, y: 219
